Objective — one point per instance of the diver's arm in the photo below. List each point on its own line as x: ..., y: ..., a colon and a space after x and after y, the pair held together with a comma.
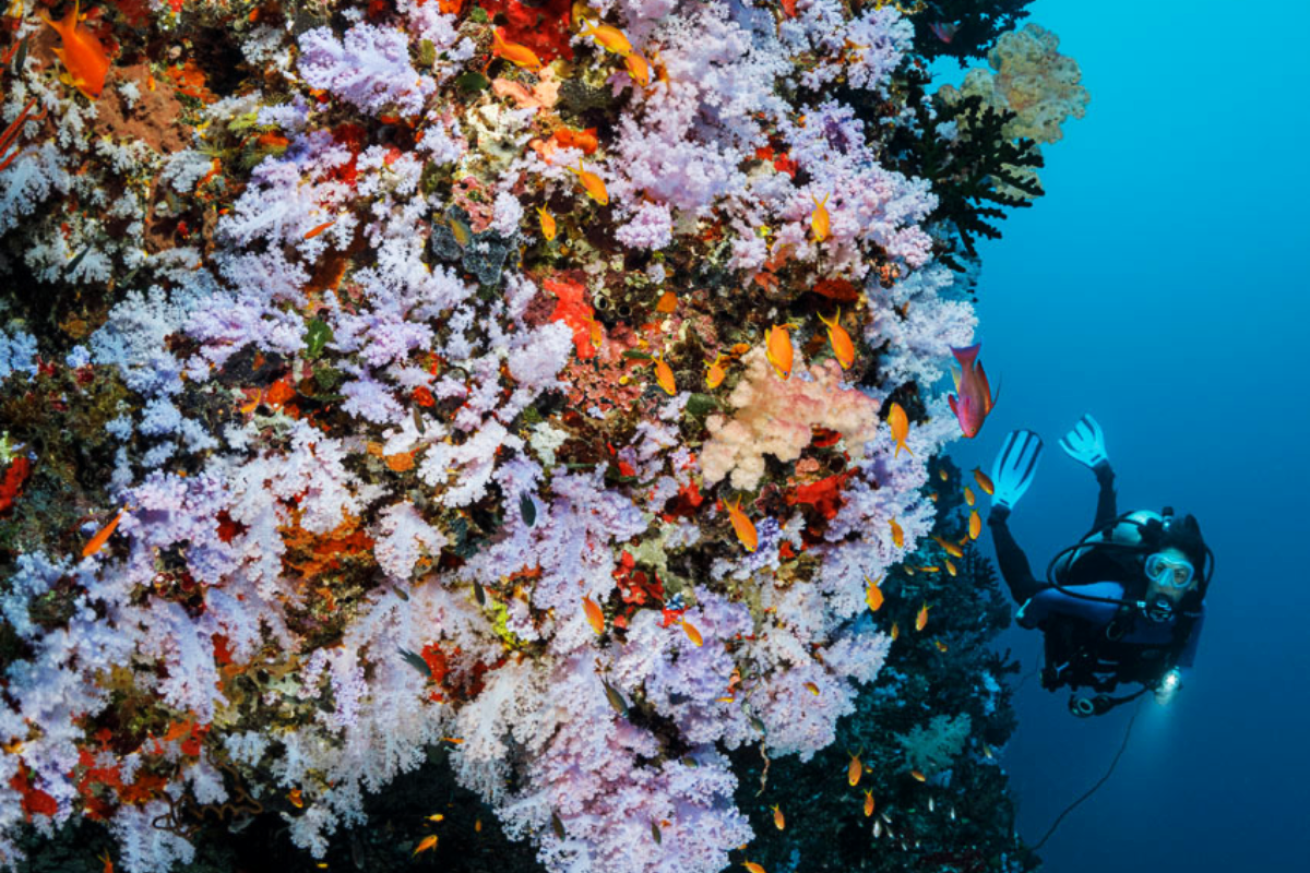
x: 1010, y: 557
x: 1107, y: 509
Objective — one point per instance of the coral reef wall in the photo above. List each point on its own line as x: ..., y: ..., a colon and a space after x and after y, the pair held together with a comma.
x: 493, y: 377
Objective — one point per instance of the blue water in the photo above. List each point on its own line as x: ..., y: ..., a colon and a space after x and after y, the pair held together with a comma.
x: 1161, y: 285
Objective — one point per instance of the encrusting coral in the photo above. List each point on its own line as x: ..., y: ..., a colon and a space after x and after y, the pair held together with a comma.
x: 476, y: 384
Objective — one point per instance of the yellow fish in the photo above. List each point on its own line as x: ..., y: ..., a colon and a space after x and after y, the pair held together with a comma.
x: 984, y: 481
x: 426, y: 843
x: 943, y: 475
x: 975, y: 525
x: 819, y: 219
x: 743, y: 526
x: 968, y: 495
x: 842, y: 346
x: 950, y: 568
x: 949, y: 547
x: 778, y: 350
x: 519, y: 55
x: 812, y: 688
x: 778, y: 821
x: 752, y: 867
x: 595, y: 617
x: 692, y: 633
x: 896, y: 631
x: 917, y: 775
x: 548, y: 228
x: 638, y: 69
x: 898, y: 535
x: 664, y: 375
x: 900, y: 424
x: 854, y: 771
x: 592, y: 184
x: 868, y: 803
x: 610, y: 38
x: 921, y: 620
x: 873, y: 596
x: 714, y: 373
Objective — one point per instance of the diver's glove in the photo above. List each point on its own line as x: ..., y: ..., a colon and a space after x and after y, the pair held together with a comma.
x: 1085, y: 443
x: 1014, y: 468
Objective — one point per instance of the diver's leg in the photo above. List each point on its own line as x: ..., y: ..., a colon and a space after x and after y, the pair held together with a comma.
x: 1106, y: 502
x: 1013, y: 562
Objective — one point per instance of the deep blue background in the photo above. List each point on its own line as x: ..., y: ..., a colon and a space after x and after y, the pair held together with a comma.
x: 1161, y: 285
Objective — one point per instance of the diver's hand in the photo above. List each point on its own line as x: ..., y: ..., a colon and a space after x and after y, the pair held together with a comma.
x: 1085, y: 443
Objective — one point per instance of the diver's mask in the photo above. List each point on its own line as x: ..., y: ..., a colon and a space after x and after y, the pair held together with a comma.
x: 1169, y: 572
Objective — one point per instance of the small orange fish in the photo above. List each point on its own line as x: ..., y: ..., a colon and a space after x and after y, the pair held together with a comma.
x: 819, y: 219
x: 896, y: 631
x: 752, y: 867
x: 714, y: 373
x: 921, y: 620
x: 842, y: 347
x: 968, y: 495
x: 943, y: 475
x: 917, y: 775
x: 592, y: 184
x: 317, y: 229
x: 692, y: 633
x: 950, y: 568
x: 519, y: 55
x: 81, y: 53
x: 868, y: 803
x: 854, y: 770
x: 426, y: 843
x: 898, y: 534
x: 664, y: 375
x: 436, y: 817
x: 984, y: 481
x: 812, y: 688
x: 595, y: 617
x: 949, y: 547
x: 103, y: 536
x: 900, y: 424
x: 548, y: 228
x: 778, y: 821
x: 941, y: 647
x: 743, y: 526
x: 778, y: 350
x: 109, y: 864
x: 296, y: 799
x: 975, y: 525
x: 930, y: 569
x: 638, y: 69
x: 873, y: 596
x: 610, y: 38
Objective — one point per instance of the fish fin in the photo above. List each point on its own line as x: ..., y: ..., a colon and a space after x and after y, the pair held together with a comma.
x: 956, y: 375
x: 950, y: 400
x: 967, y: 356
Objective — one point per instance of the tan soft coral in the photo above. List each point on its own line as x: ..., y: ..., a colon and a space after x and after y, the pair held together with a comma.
x: 776, y: 417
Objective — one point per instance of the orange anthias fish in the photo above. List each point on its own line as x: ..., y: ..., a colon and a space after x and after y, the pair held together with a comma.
x: 664, y: 375
x: 984, y: 481
x: 868, y: 803
x: 103, y: 536
x: 595, y: 617
x: 519, y: 55
x: 921, y: 620
x: 82, y: 54
x: 778, y: 350
x: 854, y: 771
x: 975, y: 401
x: 975, y: 525
x: 968, y: 495
x: 692, y: 633
x: 610, y: 38
x: 778, y: 821
x: 752, y: 867
x: 819, y: 218
x: 919, y: 776
x: 317, y: 229
x: 898, y: 534
x: 592, y: 184
x: 548, y: 228
x: 638, y: 69
x: 842, y: 346
x: 950, y: 568
x: 426, y: 843
x: 873, y: 596
x: 896, y: 631
x: 109, y: 863
x: 949, y: 547
x: 900, y: 424
x: 812, y: 688
x: 744, y: 527
x: 714, y: 373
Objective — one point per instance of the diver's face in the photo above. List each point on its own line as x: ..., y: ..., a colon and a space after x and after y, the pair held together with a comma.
x: 1164, y: 584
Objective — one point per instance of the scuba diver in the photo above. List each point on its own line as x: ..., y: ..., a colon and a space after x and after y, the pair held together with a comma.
x: 1124, y: 604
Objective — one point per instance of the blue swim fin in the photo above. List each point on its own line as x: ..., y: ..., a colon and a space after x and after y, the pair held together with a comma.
x: 1015, y: 466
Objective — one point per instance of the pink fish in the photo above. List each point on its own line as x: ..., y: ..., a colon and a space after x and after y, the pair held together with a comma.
x: 943, y: 31
x: 975, y: 401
